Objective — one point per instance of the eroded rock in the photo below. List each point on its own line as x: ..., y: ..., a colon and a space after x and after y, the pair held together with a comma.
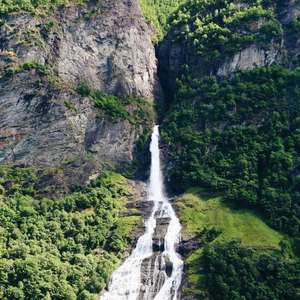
x: 43, y: 122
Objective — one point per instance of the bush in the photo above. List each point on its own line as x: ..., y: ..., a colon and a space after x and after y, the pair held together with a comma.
x: 84, y: 89
x: 271, y: 29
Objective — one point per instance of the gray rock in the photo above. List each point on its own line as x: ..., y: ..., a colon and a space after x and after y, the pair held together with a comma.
x: 293, y: 11
x: 112, y: 51
x: 254, y: 56
x: 41, y: 130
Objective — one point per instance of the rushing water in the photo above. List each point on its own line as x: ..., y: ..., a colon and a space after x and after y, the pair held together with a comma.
x: 129, y: 282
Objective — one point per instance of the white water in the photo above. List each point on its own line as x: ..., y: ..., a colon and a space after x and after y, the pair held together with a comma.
x: 125, y: 283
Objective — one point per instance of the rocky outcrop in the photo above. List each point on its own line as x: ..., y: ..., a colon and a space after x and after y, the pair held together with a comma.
x: 107, y: 44
x: 171, y: 57
x: 43, y: 121
x: 41, y: 130
x: 254, y: 56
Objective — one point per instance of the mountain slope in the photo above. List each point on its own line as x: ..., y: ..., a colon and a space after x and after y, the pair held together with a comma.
x: 77, y: 87
x: 230, y: 73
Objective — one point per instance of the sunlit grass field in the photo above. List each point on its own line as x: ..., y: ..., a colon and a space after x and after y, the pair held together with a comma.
x: 197, y: 212
x: 199, y: 209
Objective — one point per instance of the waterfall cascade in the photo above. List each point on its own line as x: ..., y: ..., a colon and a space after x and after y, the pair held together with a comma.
x: 152, y: 272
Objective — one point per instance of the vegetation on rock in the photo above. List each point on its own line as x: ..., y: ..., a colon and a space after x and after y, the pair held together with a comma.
x: 237, y: 136
x: 216, y: 29
x: 36, y: 6
x: 158, y: 12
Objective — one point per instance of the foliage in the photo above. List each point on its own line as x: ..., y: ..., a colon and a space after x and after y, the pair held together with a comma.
x: 53, y: 248
x: 241, y: 136
x: 157, y: 12
x: 50, y: 25
x: 216, y: 29
x: 84, y: 89
x: 41, y: 69
x: 111, y: 104
x: 29, y: 5
x: 70, y: 105
x: 294, y: 26
x: 36, y: 6
x: 271, y: 29
x: 238, y: 137
x: 239, y: 273
x: 136, y: 110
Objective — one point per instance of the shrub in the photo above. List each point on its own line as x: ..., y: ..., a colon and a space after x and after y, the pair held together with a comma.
x: 84, y: 89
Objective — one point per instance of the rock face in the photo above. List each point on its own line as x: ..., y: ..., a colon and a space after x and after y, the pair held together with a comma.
x: 41, y: 130
x: 254, y: 56
x: 42, y: 120
x: 107, y: 44
x: 171, y: 57
x: 173, y: 54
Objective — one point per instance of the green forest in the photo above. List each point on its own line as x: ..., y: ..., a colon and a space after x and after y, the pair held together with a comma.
x: 63, y: 247
x: 238, y: 273
x: 157, y: 12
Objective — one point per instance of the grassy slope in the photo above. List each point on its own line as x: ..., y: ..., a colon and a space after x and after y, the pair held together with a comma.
x: 197, y: 212
x: 199, y: 208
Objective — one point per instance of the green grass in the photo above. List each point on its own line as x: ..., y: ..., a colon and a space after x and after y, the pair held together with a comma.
x: 196, y: 212
x: 200, y: 209
x: 115, y: 178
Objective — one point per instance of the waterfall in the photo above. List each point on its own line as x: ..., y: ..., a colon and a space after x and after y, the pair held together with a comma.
x: 152, y: 272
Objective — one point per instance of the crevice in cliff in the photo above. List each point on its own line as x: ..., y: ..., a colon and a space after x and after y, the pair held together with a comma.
x: 168, y: 92
x: 167, y: 82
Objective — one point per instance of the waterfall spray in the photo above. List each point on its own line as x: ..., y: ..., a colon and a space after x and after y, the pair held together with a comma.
x: 126, y: 281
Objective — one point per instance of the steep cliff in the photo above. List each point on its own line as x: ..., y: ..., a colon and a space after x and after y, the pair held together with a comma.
x: 220, y: 38
x: 44, y: 121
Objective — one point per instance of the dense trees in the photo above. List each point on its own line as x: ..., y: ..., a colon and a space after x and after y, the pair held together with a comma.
x: 239, y: 136
x: 239, y: 273
x: 247, y: 142
x: 53, y: 248
x: 157, y: 12
x: 215, y: 29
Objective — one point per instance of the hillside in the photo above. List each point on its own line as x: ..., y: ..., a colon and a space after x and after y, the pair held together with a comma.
x: 234, y: 243
x: 230, y: 72
x: 77, y: 86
